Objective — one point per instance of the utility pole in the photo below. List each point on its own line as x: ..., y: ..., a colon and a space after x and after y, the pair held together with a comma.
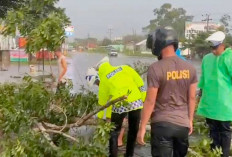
x: 207, y: 19
x: 110, y: 31
x: 189, y: 38
x: 134, y: 39
x: 133, y: 32
x: 88, y: 41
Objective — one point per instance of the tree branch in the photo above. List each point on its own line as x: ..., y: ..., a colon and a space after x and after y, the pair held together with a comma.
x: 88, y: 116
x: 85, y: 119
x: 61, y: 133
x: 90, y: 121
x: 46, y: 135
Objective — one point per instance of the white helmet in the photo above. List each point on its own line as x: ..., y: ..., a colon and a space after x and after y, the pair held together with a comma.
x: 105, y: 59
x: 91, y: 76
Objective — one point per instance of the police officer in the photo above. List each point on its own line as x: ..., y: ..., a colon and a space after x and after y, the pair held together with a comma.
x: 170, y: 101
x: 114, y: 82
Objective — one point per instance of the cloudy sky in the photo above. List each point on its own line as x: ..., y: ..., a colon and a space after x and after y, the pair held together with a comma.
x: 95, y: 17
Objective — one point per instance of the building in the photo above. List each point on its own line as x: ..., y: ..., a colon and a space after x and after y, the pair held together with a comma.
x: 194, y: 28
x: 7, y: 43
x: 141, y: 47
x: 118, y: 39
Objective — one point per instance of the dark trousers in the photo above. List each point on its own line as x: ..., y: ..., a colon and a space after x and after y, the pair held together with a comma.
x: 220, y: 133
x: 133, y: 121
x: 169, y: 140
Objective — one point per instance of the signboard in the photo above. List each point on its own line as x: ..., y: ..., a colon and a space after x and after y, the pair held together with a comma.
x: 18, y: 55
x: 69, y: 31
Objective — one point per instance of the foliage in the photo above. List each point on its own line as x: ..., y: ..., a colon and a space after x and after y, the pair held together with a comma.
x: 203, y: 149
x: 49, y: 34
x: 84, y: 42
x: 106, y: 42
x: 24, y: 105
x: 133, y: 39
x: 41, y: 22
x: 7, y: 5
x: 166, y: 15
x: 198, y: 44
x: 117, y: 42
x: 140, y: 67
x: 225, y: 20
x: 228, y: 40
x: 200, y: 145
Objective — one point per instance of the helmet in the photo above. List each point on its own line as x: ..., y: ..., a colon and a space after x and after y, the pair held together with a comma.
x: 160, y: 39
x: 105, y: 59
x: 91, y: 77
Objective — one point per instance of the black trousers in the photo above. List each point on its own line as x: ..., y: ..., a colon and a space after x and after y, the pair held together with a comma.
x: 133, y: 121
x: 220, y: 133
x: 169, y: 140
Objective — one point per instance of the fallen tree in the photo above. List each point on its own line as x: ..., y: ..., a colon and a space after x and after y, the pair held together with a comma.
x: 35, y: 121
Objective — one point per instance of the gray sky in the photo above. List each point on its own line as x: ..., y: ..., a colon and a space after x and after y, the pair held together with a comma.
x: 94, y: 17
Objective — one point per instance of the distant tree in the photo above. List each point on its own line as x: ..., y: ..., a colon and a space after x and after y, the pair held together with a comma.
x: 117, y: 42
x: 80, y: 42
x: 106, y: 42
x: 199, y: 45
x: 133, y: 38
x: 228, y: 40
x: 84, y: 42
x: 92, y: 40
x: 225, y: 20
x: 169, y: 16
x: 221, y: 28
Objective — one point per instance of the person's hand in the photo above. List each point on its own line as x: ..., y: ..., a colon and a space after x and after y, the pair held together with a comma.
x: 191, y: 127
x: 140, y: 136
